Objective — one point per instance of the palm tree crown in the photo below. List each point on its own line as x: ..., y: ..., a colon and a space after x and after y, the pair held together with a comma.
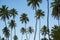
x: 34, y: 3
x: 12, y: 24
x: 39, y: 13
x: 24, y: 18
x: 4, y: 13
x: 13, y: 12
x: 23, y: 30
x: 6, y: 32
x: 55, y: 32
x: 15, y: 37
x: 44, y: 30
x: 30, y: 30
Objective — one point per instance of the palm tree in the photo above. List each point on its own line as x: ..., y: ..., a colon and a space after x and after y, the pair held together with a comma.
x: 13, y: 13
x: 44, y: 31
x: 30, y: 31
x: 6, y: 32
x: 34, y: 3
x: 55, y: 32
x: 39, y: 14
x: 23, y: 31
x: 24, y: 19
x: 56, y: 10
x: 15, y: 37
x: 12, y: 25
x: 4, y: 13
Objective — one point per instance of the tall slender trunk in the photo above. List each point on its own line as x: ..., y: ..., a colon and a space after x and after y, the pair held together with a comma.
x: 44, y: 36
x: 11, y: 34
x: 39, y: 28
x: 5, y: 23
x: 8, y: 38
x: 58, y: 14
x: 14, y: 30
x: 29, y: 36
x: 48, y: 18
x: 26, y: 33
x: 22, y: 37
x: 58, y: 22
x: 35, y: 29
x: 14, y: 27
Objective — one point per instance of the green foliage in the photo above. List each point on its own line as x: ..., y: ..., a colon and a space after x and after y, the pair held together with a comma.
x: 15, y: 37
x: 4, y: 13
x: 30, y: 30
x: 39, y: 13
x: 55, y: 32
x: 13, y: 12
x: 34, y: 3
x: 6, y: 32
x: 44, y: 30
x: 12, y: 24
x: 24, y: 18
x: 23, y: 30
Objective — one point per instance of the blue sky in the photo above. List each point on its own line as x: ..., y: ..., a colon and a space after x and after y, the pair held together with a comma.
x: 21, y: 7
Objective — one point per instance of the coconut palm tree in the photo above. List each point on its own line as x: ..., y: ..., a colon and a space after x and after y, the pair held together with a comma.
x: 30, y: 31
x: 6, y: 32
x: 39, y: 14
x: 15, y: 37
x: 44, y: 31
x: 56, y: 10
x: 24, y: 19
x: 34, y: 3
x: 23, y: 31
x: 12, y: 25
x: 13, y: 13
x: 4, y: 13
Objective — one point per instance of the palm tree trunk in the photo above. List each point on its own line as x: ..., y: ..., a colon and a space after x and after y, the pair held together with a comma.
x: 58, y: 21
x: 39, y: 28
x: 35, y: 29
x: 29, y: 36
x: 48, y: 18
x: 5, y: 23
x: 14, y: 31
x: 26, y: 33
x: 8, y: 38
x: 11, y: 34
x: 22, y: 37
x: 44, y: 35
